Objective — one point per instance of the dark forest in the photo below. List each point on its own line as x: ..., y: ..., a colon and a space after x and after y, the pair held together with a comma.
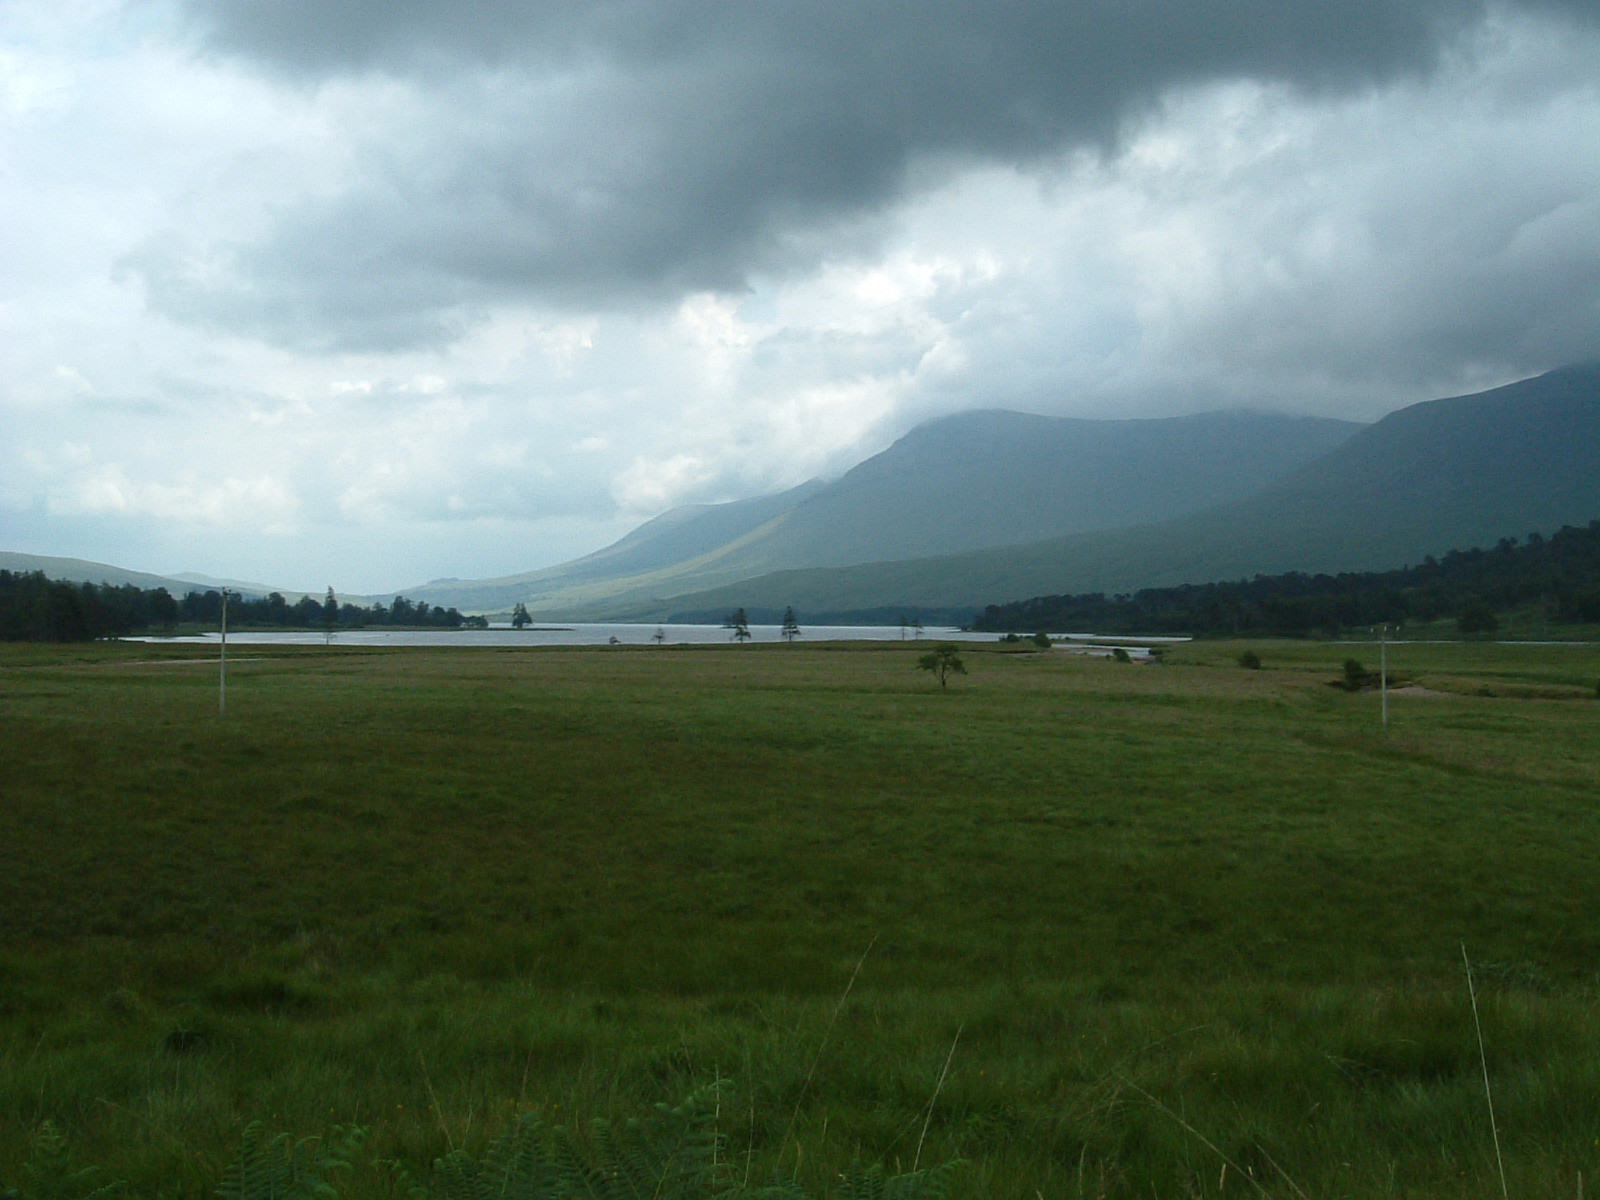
x: 1557, y: 577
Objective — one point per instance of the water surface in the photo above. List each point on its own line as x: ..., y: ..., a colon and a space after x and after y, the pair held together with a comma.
x: 581, y: 635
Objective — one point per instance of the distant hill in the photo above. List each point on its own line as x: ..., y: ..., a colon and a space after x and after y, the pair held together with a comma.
x: 78, y: 570
x: 971, y: 481
x: 243, y: 586
x: 1449, y: 473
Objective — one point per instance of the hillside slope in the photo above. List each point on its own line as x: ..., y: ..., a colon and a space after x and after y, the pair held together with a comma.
x: 971, y: 481
x: 682, y: 535
x: 1449, y: 473
x: 993, y: 478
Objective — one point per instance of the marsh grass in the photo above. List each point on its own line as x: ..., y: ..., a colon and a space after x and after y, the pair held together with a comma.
x: 425, y: 891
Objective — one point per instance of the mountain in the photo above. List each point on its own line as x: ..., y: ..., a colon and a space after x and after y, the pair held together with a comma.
x: 1459, y: 472
x: 988, y: 478
x: 681, y: 536
x: 243, y: 587
x: 967, y: 482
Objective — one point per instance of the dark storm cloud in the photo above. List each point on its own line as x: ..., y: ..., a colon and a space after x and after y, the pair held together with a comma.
x: 1015, y: 49
x: 605, y: 153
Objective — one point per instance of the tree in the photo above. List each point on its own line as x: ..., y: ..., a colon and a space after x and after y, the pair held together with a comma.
x: 276, y: 609
x: 1042, y: 640
x: 1478, y: 618
x: 519, y: 616
x: 330, y: 614
x: 943, y: 660
x: 739, y: 623
x: 791, y: 626
x: 58, y: 613
x: 164, y: 609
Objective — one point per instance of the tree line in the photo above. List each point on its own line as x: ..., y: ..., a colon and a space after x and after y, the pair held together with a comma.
x: 1556, y: 577
x: 34, y: 608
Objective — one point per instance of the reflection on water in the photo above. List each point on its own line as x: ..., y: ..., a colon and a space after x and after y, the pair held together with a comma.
x: 581, y: 635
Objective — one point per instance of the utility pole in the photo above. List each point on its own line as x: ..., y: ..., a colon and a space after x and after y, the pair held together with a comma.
x: 1383, y: 674
x: 222, y: 671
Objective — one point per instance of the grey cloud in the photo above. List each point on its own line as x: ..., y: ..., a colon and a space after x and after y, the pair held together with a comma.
x: 626, y: 151
x: 1013, y: 48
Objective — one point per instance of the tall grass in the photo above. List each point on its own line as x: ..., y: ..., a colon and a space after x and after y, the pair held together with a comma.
x: 426, y: 892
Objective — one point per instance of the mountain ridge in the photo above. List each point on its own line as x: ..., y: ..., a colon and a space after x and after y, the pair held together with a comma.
x: 968, y: 481
x: 1432, y: 477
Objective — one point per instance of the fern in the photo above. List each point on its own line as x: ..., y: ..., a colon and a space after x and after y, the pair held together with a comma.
x: 872, y: 1183
x: 48, y: 1173
x: 671, y: 1155
x: 675, y: 1153
x: 277, y: 1168
x: 517, y: 1166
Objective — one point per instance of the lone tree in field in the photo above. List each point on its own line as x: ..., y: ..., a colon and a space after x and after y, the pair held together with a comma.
x: 943, y: 661
x: 791, y: 625
x: 519, y: 616
x: 739, y: 623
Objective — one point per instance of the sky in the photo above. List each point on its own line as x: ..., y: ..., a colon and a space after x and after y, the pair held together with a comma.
x: 371, y: 293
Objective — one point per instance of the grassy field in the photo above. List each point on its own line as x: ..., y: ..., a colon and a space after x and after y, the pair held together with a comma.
x: 1184, y: 930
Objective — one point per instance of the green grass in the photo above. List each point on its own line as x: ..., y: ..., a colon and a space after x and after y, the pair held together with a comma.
x: 1154, y: 907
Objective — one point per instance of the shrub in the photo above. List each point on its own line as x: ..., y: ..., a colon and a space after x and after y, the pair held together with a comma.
x: 1250, y: 660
